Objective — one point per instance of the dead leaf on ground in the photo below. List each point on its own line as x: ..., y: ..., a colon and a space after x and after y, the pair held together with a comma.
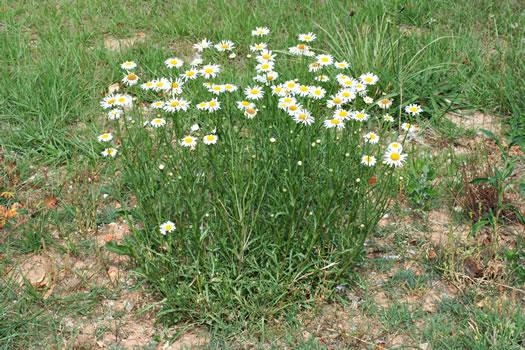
x: 472, y: 269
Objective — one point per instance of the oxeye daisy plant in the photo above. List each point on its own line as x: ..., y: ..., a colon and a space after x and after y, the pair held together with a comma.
x: 229, y: 174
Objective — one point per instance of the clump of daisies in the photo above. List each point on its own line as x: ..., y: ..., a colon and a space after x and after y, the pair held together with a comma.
x: 225, y: 171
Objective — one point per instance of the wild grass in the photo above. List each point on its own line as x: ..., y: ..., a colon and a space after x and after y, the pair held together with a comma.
x: 444, y: 55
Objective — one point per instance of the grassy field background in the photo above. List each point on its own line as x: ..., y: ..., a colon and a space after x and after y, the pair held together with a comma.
x: 414, y: 287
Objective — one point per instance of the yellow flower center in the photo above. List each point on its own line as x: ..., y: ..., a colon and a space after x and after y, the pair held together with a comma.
x: 372, y: 136
x: 203, y: 104
x: 174, y: 104
x: 149, y: 84
x: 254, y: 92
x: 335, y: 121
x: 111, y: 101
x: 266, y: 56
x: 208, y: 70
x: 265, y: 66
x: 324, y: 59
x: 301, y: 46
x: 343, y: 113
x: 337, y: 100
x: 287, y: 100
x: 413, y: 109
x: 229, y: 87
x: 394, y: 156
x: 132, y: 76
x: 408, y: 126
x: 368, y: 159
x: 105, y: 136
x: 160, y: 83
x: 110, y: 151
x: 174, y: 62
x: 317, y: 92
x: 346, y: 94
x: 278, y: 89
x: 385, y: 101
x: 368, y: 79
x: 168, y: 227
x: 304, y: 88
x: 210, y: 138
x: 121, y: 99
x: 250, y: 111
x: 269, y: 77
x: 188, y: 140
x: 360, y: 115
x: 174, y: 85
x: 315, y: 64
x: 394, y: 145
x: 190, y: 73
x: 293, y: 108
x: 307, y: 37
x: 128, y: 63
x: 302, y: 116
x: 225, y: 46
x: 348, y: 82
x: 216, y: 88
x: 213, y: 103
x: 245, y: 103
x: 258, y: 47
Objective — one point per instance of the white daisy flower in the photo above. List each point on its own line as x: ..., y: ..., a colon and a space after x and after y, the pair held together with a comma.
x: 242, y: 105
x: 188, y: 141
x: 260, y: 31
x: 360, y: 116
x: 368, y: 160
x: 109, y: 152
x: 307, y: 37
x: 317, y: 92
x: 128, y: 65
x: 124, y: 100
x: 335, y: 101
x: 204, y: 44
x: 197, y: 61
x: 334, y: 123
x: 161, y: 85
x: 347, y: 94
x: 372, y: 138
x: 361, y: 89
x: 265, y: 56
x: 257, y: 47
x: 174, y: 62
x: 301, y: 50
x: 394, y: 158
x: 109, y: 101
x: 341, y: 65
x: 314, y: 67
x: 203, y: 106
x: 216, y: 89
x: 384, y: 103
x: 342, y: 114
x: 195, y: 127
x: 167, y: 227
x: 325, y: 60
x: 264, y: 67
x: 210, y: 70
x: 250, y: 113
x: 130, y: 79
x: 322, y: 78
x: 148, y: 85
x: 115, y: 114
x: 105, y: 137
x: 230, y: 87
x: 413, y: 109
x: 214, y: 105
x: 158, y: 122
x: 287, y: 101
x: 254, y: 93
x: 395, y: 146
x: 225, y: 45
x: 303, y: 90
x: 368, y: 100
x: 210, y: 139
x: 388, y: 118
x: 369, y: 78
x: 176, y: 104
x: 278, y: 90
x: 294, y: 108
x: 303, y: 117
x: 408, y: 127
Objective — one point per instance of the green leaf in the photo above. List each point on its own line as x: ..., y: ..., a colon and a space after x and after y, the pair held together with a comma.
x: 119, y: 249
x: 480, y: 180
